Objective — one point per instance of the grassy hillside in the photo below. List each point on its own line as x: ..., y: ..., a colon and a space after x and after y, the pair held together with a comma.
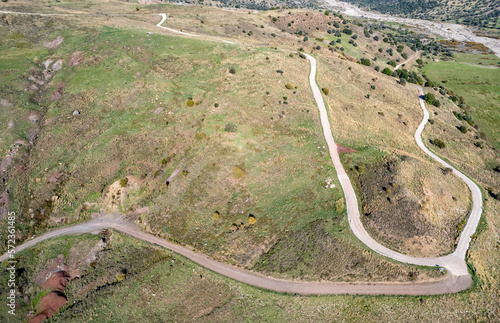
x: 220, y: 147
x: 243, y: 154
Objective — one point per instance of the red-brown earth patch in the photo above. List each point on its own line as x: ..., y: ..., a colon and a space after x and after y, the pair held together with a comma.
x: 76, y: 58
x: 53, y: 301
x: 343, y: 149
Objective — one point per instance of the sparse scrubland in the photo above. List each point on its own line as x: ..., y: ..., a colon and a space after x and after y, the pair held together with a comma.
x: 219, y: 146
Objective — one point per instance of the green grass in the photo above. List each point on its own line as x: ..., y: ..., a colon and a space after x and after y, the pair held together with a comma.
x: 479, y: 86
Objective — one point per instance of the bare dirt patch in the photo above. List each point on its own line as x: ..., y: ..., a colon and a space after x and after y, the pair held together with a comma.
x: 119, y: 191
x: 58, y: 92
x: 343, y: 149
x: 416, y: 215
x: 55, y: 43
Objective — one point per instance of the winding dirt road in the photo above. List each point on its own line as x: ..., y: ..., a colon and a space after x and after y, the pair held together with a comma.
x: 457, y: 278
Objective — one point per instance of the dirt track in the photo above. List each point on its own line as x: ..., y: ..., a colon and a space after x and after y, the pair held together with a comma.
x: 456, y: 280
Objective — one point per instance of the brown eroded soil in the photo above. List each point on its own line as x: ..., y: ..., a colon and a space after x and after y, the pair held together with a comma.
x: 53, y: 301
x: 343, y: 149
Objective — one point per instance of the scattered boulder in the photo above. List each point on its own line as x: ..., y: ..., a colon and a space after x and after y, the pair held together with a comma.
x: 47, y: 64
x: 57, y: 66
x: 158, y: 110
x: 55, y: 43
x: 76, y: 113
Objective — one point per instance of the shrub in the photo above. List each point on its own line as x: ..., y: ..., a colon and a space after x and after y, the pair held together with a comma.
x: 458, y: 115
x: 301, y: 55
x: 365, y: 61
x: 124, y: 182
x: 431, y: 121
x: 327, y: 12
x: 437, y: 104
x: 347, y: 31
x: 404, y: 55
x: 447, y: 171
x: 376, y: 38
x: 402, y: 81
x: 232, y: 70
x: 305, y: 38
x: 377, y: 68
x: 429, y: 98
x: 279, y: 71
x: 463, y: 129
x: 372, y: 87
x: 289, y: 86
x: 420, y: 61
x: 165, y: 161
x: 230, y: 127
x: 190, y: 103
x: 216, y: 105
x: 238, y: 172
x: 400, y: 48
x: 325, y: 90
x: 392, y: 63
x: 439, y: 143
x: 387, y: 71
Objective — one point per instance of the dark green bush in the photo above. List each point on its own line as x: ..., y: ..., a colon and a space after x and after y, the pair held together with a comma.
x: 439, y: 143
x: 429, y: 98
x: 387, y: 71
x: 230, y: 127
